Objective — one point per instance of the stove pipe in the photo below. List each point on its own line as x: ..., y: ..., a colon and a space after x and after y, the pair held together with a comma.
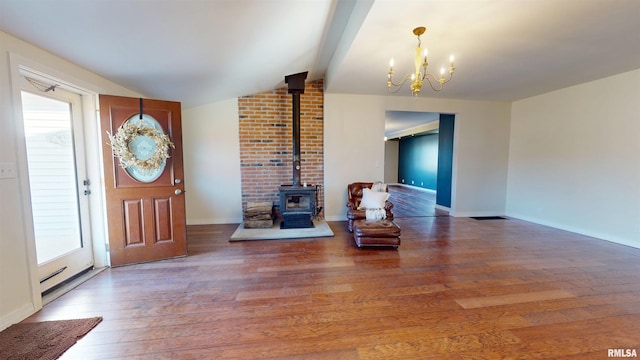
x: 296, y: 87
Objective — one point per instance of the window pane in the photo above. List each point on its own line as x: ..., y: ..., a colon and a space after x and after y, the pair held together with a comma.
x: 52, y: 177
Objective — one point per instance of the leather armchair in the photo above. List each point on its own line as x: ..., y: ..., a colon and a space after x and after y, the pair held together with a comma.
x: 354, y: 191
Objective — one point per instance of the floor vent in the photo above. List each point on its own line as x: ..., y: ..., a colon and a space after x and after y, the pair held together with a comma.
x: 489, y: 217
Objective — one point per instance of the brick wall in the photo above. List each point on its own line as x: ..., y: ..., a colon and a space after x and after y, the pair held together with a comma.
x: 266, y: 142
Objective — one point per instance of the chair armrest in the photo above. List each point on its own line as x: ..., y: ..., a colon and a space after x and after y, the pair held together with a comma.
x: 388, y: 205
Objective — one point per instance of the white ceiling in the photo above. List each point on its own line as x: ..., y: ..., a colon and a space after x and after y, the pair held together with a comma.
x: 201, y: 51
x: 403, y: 123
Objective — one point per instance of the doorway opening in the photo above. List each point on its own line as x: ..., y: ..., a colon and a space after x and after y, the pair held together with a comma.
x: 52, y: 125
x: 418, y: 162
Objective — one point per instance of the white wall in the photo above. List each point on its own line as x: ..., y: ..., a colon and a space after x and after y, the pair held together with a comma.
x: 15, y: 277
x: 211, y: 143
x: 17, y: 254
x: 575, y: 159
x: 354, y: 148
x: 391, y: 151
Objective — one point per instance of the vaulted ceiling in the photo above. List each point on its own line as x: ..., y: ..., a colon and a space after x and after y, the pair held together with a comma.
x: 202, y: 51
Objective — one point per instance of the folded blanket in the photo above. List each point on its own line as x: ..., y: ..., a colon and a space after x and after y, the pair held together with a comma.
x: 376, y: 214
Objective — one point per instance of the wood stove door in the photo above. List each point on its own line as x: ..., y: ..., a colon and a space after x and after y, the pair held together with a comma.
x: 145, y: 207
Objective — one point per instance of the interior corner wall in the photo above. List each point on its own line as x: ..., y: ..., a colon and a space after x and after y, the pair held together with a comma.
x: 391, y: 161
x: 211, y: 151
x: 354, y: 148
x: 574, y: 159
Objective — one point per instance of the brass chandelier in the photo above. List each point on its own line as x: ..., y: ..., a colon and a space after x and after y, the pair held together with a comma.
x: 420, y: 74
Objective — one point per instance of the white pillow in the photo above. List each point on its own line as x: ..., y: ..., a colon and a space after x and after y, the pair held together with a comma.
x: 379, y: 186
x: 373, y: 199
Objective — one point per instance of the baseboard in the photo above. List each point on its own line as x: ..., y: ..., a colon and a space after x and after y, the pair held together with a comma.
x: 476, y: 213
x: 216, y: 221
x: 415, y: 187
x: 599, y: 236
x: 16, y: 316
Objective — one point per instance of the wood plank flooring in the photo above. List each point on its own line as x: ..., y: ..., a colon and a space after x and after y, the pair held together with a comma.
x: 457, y: 288
x: 411, y: 201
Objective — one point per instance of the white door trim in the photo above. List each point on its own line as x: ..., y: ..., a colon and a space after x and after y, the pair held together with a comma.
x: 97, y: 205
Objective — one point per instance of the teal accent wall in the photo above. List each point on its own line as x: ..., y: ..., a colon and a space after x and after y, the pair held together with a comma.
x: 445, y: 160
x: 418, y: 161
x: 426, y: 161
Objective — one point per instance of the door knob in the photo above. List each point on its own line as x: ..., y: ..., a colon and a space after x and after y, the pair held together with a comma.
x: 178, y: 191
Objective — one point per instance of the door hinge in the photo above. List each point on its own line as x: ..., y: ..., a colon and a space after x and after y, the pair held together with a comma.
x: 86, y: 184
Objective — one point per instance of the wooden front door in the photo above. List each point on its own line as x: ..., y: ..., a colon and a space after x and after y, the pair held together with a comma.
x: 145, y: 207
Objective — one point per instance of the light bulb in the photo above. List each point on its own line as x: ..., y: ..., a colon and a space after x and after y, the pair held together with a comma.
x: 451, y: 58
x: 391, y: 62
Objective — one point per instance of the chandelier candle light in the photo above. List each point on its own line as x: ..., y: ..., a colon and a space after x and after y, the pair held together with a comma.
x: 420, y: 74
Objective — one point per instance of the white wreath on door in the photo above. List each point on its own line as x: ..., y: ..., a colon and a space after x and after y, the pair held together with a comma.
x: 120, y: 145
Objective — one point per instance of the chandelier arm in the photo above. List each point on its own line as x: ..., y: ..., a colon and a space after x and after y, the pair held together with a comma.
x: 429, y: 78
x: 397, y: 86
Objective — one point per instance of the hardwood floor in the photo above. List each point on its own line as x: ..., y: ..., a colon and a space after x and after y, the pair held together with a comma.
x: 410, y: 201
x: 457, y: 288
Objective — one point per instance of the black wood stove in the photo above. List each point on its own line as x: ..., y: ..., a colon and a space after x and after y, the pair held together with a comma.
x: 298, y: 202
x: 297, y: 206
